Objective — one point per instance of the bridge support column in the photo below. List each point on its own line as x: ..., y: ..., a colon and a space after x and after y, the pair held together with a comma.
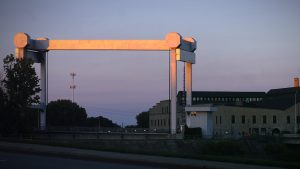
x: 188, y: 83
x: 173, y: 90
x: 44, y: 93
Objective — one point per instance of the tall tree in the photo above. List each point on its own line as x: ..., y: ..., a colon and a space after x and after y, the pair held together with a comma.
x: 65, y: 113
x: 21, y: 88
x: 2, y: 108
x: 2, y: 94
x: 21, y: 82
x: 143, y: 120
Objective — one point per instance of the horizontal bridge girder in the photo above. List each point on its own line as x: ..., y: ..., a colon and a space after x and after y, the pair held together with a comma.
x: 173, y: 40
x: 99, y: 45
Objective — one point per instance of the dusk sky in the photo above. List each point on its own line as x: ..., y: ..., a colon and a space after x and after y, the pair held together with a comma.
x: 243, y: 45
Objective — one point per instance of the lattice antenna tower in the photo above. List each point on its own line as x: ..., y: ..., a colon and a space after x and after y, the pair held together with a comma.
x: 73, y: 86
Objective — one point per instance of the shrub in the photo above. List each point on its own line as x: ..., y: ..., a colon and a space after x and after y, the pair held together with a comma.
x: 277, y: 151
x: 192, y: 133
x: 222, y: 148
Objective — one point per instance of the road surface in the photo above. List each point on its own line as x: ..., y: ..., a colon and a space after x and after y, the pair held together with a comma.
x: 10, y: 160
x: 60, y: 157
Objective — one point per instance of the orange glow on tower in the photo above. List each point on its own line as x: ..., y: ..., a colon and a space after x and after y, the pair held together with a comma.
x: 296, y: 82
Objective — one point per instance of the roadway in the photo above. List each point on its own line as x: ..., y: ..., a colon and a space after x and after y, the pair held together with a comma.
x: 33, y: 156
x: 9, y: 160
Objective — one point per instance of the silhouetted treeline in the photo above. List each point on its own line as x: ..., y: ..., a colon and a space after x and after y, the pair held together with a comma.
x: 67, y: 113
x: 99, y: 121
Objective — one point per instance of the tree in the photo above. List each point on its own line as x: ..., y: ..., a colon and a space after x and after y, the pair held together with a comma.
x: 65, y: 113
x: 104, y: 122
x: 143, y: 120
x: 2, y: 108
x: 21, y: 82
x: 2, y: 94
x: 20, y: 90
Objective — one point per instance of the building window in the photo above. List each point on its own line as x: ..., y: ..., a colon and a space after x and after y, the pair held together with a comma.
x: 288, y: 119
x: 164, y: 122
x: 216, y: 119
x: 254, y: 119
x: 298, y: 119
x: 274, y: 119
x: 232, y: 119
x: 194, y: 99
x: 220, y: 119
x: 243, y: 119
x: 264, y: 119
x: 162, y: 110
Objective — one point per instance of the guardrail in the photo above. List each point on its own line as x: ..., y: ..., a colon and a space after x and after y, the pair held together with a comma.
x: 104, y: 130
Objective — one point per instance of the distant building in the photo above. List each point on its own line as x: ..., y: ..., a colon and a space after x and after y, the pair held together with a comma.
x: 277, y: 113
x: 236, y: 113
x: 221, y: 97
x: 159, y: 116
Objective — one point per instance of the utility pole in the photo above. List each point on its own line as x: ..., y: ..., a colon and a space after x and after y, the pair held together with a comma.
x: 99, y: 123
x: 296, y: 114
x: 296, y: 87
x: 73, y: 86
